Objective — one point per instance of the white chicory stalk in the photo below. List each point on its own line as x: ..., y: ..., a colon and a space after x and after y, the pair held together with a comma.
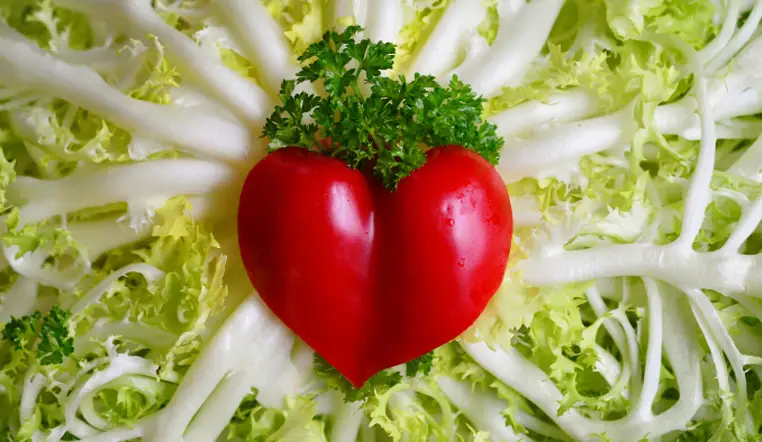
x: 440, y: 52
x: 25, y: 67
x: 139, y: 19
x: 515, y: 47
x: 261, y: 38
x: 630, y: 309
x: 383, y: 20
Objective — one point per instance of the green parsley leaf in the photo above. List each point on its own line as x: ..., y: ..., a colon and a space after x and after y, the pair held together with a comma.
x: 370, y: 121
x: 55, y: 342
x: 379, y: 382
x: 51, y: 332
x: 285, y: 127
x: 20, y: 331
x: 422, y: 364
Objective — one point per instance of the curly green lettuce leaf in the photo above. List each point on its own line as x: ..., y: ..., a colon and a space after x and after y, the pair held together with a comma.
x: 7, y: 176
x: 418, y: 410
x: 302, y: 21
x: 51, y: 26
x: 175, y: 290
x: 297, y: 421
x: 417, y: 30
x: 631, y: 18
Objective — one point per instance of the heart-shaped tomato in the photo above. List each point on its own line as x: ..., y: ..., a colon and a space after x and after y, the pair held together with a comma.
x: 370, y: 278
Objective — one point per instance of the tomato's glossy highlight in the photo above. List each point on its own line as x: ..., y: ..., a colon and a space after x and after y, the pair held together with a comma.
x: 369, y: 278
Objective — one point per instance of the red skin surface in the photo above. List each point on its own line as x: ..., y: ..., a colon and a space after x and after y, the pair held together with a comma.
x: 369, y: 278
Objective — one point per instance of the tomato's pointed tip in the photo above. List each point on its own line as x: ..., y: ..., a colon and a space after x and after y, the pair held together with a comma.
x: 360, y: 374
x: 358, y: 383
x: 357, y: 379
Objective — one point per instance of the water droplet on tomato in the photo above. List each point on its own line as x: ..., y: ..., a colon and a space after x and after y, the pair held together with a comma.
x: 450, y: 222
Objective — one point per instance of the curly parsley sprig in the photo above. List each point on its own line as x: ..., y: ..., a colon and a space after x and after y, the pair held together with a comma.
x: 378, y: 383
x: 388, y: 129
x: 51, y: 332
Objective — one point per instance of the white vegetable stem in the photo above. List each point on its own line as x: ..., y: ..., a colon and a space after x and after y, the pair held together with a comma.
x: 749, y: 164
x: 682, y: 349
x: 633, y: 352
x: 95, y: 237
x: 139, y: 19
x: 746, y: 5
x: 525, y: 211
x: 90, y: 410
x: 714, y: 323
x: 100, y: 235
x: 234, y: 348
x: 720, y: 367
x: 41, y: 199
x: 727, y: 29
x: 153, y: 337
x: 734, y: 95
x: 650, y: 389
x: 562, y: 107
x: 619, y: 332
x: 568, y: 142
x: 149, y: 272
x: 260, y: 38
x: 120, y: 434
x: 514, y: 48
x: 699, y: 195
x: 735, y: 91
x: 742, y: 36
x: 25, y: 66
x: 347, y: 421
x: 750, y: 220
x: 726, y: 273
x: 104, y: 60
x: 507, y: 11
x: 33, y: 385
x: 520, y: 159
x: 269, y: 370
x: 32, y: 266
x: 612, y: 327
x: 440, y: 51
x: 217, y: 411
x: 119, y: 365
x: 611, y: 370
x: 19, y: 300
x: 339, y: 10
x: 383, y: 20
x: 486, y: 412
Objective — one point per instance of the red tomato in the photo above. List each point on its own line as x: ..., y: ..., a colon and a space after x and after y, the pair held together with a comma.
x: 369, y: 278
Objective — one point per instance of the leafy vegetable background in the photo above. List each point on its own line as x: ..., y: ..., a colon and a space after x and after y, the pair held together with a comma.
x: 630, y: 310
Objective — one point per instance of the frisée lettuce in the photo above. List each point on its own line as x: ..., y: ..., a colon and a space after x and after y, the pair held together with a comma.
x: 630, y: 309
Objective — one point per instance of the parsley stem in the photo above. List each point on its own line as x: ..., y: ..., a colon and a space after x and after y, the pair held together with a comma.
x: 378, y: 142
x: 356, y: 89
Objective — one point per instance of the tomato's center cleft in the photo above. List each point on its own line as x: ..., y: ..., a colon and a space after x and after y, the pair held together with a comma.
x: 371, y: 247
